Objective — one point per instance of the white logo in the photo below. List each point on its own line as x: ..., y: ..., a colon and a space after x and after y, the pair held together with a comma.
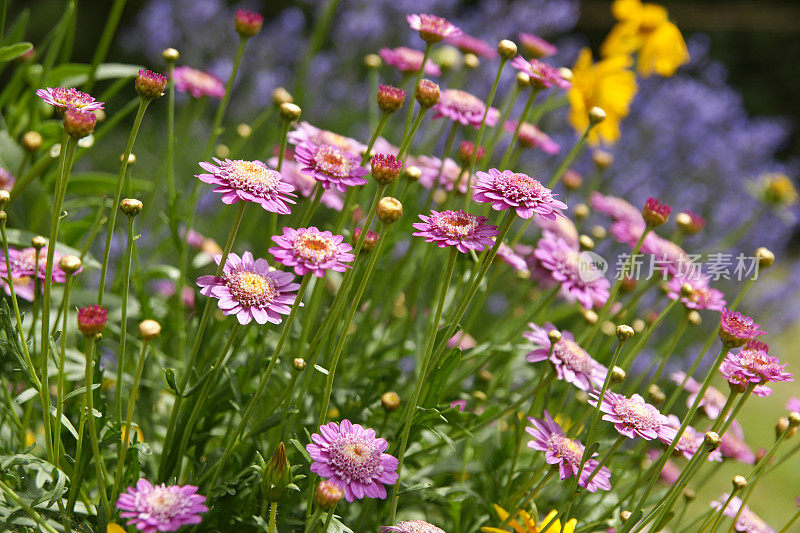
x: 591, y: 266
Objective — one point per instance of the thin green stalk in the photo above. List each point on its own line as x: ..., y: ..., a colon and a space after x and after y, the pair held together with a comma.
x: 123, y: 325
x: 411, y: 409
x: 328, y: 520
x: 408, y: 139
x: 137, y: 122
x: 413, y: 88
x: 104, y: 44
x: 531, y: 496
x: 570, y: 157
x: 315, y: 43
x: 719, y: 515
x: 508, y: 105
x: 525, y: 112
x: 9, y: 492
x: 643, y: 340
x: 57, y: 449
x: 126, y: 438
x: 312, y: 207
x: 273, y: 516
x: 100, y: 469
x: 790, y: 523
x: 223, y: 105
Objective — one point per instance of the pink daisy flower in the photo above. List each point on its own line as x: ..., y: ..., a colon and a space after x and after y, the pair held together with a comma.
x: 546, y: 75
x: 198, y: 83
x: 536, y: 46
x: 306, y: 133
x: 448, y: 175
x: 671, y: 471
x: 753, y: 364
x: 518, y: 191
x: 465, y: 108
x: 748, y: 521
x: 668, y: 257
x: 793, y: 404
x: 161, y: 507
x: 23, y: 264
x: 732, y: 445
x: 567, y: 453
x: 353, y: 458
x: 703, y: 296
x: 691, y: 440
x: 311, y: 250
x: 579, y: 278
x: 431, y: 28
x: 331, y: 166
x: 304, y: 184
x: 251, y: 181
x: 407, y: 59
x: 413, y: 526
x: 571, y: 362
x: 249, y: 290
x: 472, y: 45
x: 6, y: 180
x: 456, y: 228
x: 559, y: 227
x: 713, y: 400
x: 530, y: 136
x: 62, y: 98
x: 736, y: 329
x: 616, y: 208
x: 633, y: 417
x: 512, y: 258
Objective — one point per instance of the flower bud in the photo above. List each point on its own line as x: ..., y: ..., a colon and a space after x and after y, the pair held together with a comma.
x: 523, y: 80
x: 3, y: 217
x: 624, y: 332
x: 638, y: 325
x: 390, y: 98
x: 373, y: 61
x: 781, y: 426
x: 739, y: 482
x: 31, y: 141
x: 92, y: 320
x: 412, y: 173
x: 390, y: 400
x: 689, y: 495
x: 131, y: 206
x: 244, y: 130
x: 712, y: 440
x: 170, y: 55
x: 79, y: 124
x: 150, y: 85
x: 149, y: 329
x: 507, y: 49
x: 466, y: 151
x: 484, y: 375
x: 222, y: 151
x: 694, y: 318
x: 281, y: 96
x: 580, y: 211
x: 276, y: 476
x: 656, y: 395
x: 69, y: 264
x: 38, y: 242
x: 131, y: 158
x: 794, y: 419
x: 100, y: 114
x: 624, y: 516
x: 471, y: 61
x: 572, y: 180
x: 589, y: 316
x: 565, y: 73
x: 289, y: 111
x: 602, y: 159
x: 385, y: 168
x: 327, y: 494
x: 765, y: 257
x: 617, y: 375
x: 370, y: 240
x: 427, y: 93
x: 554, y: 335
x: 599, y: 233
x: 687, y: 290
x: 586, y: 242
x: 389, y: 210
x: 299, y: 364
x: 596, y: 115
x: 655, y: 213
x: 248, y: 23
x: 5, y: 197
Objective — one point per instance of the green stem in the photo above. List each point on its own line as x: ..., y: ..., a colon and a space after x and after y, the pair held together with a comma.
x: 57, y: 450
x: 223, y: 105
x: 413, y: 88
x: 570, y: 157
x: 123, y: 325
x: 525, y: 112
x: 273, y: 515
x: 408, y: 139
x: 9, y: 492
x: 312, y: 207
x: 92, y: 429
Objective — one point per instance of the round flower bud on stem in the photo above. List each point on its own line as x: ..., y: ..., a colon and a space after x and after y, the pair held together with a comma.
x: 373, y: 61
x: 69, y: 264
x: 38, y: 242
x: 596, y: 115
x: 427, y: 93
x: 507, y: 49
x: 299, y: 364
x: 389, y: 210
x: 5, y: 197
x: 624, y: 332
x: 131, y: 158
x: 150, y: 85
x: 92, y: 320
x: 694, y: 318
x: 712, y: 440
x: 765, y: 257
x: 281, y: 96
x: 586, y: 242
x: 687, y: 290
x: 327, y: 494
x: 794, y: 419
x: 656, y: 395
x: 780, y: 426
x: 248, y: 23
x: 412, y: 173
x: 554, y: 335
x: 523, y: 80
x: 589, y: 316
x: 244, y: 130
x: 390, y: 401
x: 599, y: 232
x: 390, y: 98
x: 602, y: 159
x: 131, y: 206
x: 572, y: 180
x: 149, y: 329
x: 170, y: 55
x: 624, y: 516
x: 78, y: 124
x: 31, y: 141
x: 370, y: 241
x: 739, y: 482
x: 580, y: 211
x: 471, y: 61
x: 466, y: 152
x: 385, y: 168
x: 689, y: 495
x: 3, y: 217
x: 484, y: 375
x: 276, y: 476
x: 289, y: 111
x: 655, y: 213
x: 617, y: 375
x: 565, y: 73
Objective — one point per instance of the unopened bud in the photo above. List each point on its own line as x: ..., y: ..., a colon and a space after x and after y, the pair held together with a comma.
x: 289, y: 111
x: 92, y: 320
x: 599, y: 232
x: 739, y: 482
x: 38, y: 242
x: 687, y: 290
x: 624, y: 332
x: 390, y: 98
x: 565, y: 73
x: 276, y: 476
x: 471, y: 61
x: 78, y: 124
x: 617, y: 375
x: 794, y: 419
x: 149, y: 329
x: 484, y: 375
x: 624, y: 516
x: 765, y: 257
x: 248, y: 23
x: 712, y: 440
x: 656, y: 395
x: 299, y: 364
x: 427, y: 93
x: 131, y: 206
x: 586, y: 242
x: 389, y: 210
x: 590, y: 316
x: 694, y: 318
x: 655, y: 213
x: 281, y: 96
x: 602, y: 159
x: 373, y: 61
x: 523, y: 80
x: 244, y: 131
x: 131, y: 158
x: 390, y: 400
x: 580, y: 211
x: 385, y: 168
x: 596, y: 115
x: 327, y: 494
x: 31, y: 141
x: 170, y: 55
x: 412, y: 173
x: 572, y: 180
x: 70, y: 264
x: 150, y: 85
x: 507, y: 49
x: 781, y: 426
x: 689, y: 495
x: 5, y: 197
x: 554, y: 335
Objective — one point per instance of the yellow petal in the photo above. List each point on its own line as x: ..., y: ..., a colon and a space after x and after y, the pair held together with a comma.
x: 663, y: 51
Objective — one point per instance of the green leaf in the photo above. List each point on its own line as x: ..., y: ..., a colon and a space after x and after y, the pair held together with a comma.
x: 169, y: 375
x: 13, y: 51
x: 25, y: 395
x: 79, y: 392
x: 440, y: 375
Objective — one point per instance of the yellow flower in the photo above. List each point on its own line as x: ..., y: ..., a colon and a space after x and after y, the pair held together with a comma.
x: 529, y: 524
x: 779, y: 189
x: 114, y: 528
x: 133, y: 430
x: 646, y: 29
x: 607, y: 84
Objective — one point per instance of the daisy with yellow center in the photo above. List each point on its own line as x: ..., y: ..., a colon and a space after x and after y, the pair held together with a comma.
x: 251, y: 181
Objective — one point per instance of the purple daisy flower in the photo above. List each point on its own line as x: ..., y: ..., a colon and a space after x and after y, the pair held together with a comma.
x: 251, y: 181
x: 465, y: 108
x: 311, y: 250
x: 536, y: 46
x: 161, y: 507
x: 304, y: 184
x: 735, y: 329
x: 579, y: 278
x: 529, y: 136
x: 330, y: 165
x: 456, y: 228
x: 431, y: 28
x: 306, y: 133
x: 571, y: 362
x: 23, y: 264
x: 691, y: 440
x: 198, y: 83
x: 513, y: 259
x: 353, y: 458
x: 567, y: 453
x: 668, y: 257
x: 546, y: 75
x: 515, y: 190
x: 753, y: 365
x: 412, y: 526
x: 62, y: 98
x: 447, y: 175
x: 702, y: 297
x: 633, y: 417
x: 748, y: 521
x: 616, y: 208
x: 249, y: 290
x: 407, y: 59
x: 713, y: 400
